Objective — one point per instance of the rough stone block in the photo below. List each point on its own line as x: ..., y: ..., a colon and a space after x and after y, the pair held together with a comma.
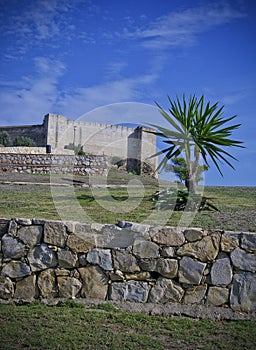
x: 243, y: 260
x: 26, y: 288
x: 68, y: 287
x: 195, y: 295
x: 55, y: 233
x: 205, y: 250
x: 42, y: 257
x: 221, y: 272
x: 30, y: 235
x: 82, y: 239
x: 101, y: 257
x: 125, y: 261
x: 47, y: 283
x: 169, y: 236
x: 217, y: 296
x: 6, y: 288
x: 191, y: 271
x: 164, y: 291
x: 145, y: 249
x: 134, y: 291
x: 193, y: 234
x: 167, y: 267
x: 243, y: 292
x: 248, y: 242
x: 66, y: 258
x: 16, y: 269
x: 148, y: 264
x: 12, y: 229
x: 95, y: 282
x: 12, y: 248
x: 229, y: 241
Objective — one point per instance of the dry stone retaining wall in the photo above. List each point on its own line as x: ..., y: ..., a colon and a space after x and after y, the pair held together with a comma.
x: 53, y: 163
x: 129, y: 262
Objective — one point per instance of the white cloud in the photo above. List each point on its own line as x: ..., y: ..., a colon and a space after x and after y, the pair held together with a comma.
x: 84, y: 99
x: 182, y: 28
x: 31, y: 97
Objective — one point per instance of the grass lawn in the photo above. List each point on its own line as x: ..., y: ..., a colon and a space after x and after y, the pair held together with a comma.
x: 75, y: 327
x: 237, y: 205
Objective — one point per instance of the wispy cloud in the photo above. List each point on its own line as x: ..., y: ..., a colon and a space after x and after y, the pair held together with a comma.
x: 35, y: 23
x: 33, y: 96
x: 183, y: 28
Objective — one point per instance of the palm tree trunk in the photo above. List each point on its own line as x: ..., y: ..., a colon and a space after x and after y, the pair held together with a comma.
x: 193, y: 169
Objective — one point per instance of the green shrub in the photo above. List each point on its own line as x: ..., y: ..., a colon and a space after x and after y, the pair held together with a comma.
x: 5, y: 139
x: 24, y: 141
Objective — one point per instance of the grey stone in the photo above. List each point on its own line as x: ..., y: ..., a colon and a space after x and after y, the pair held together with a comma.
x: 55, y: 233
x: 82, y: 259
x: 169, y: 236
x: 26, y: 288
x: 101, y: 257
x: 243, y: 260
x: 30, y: 235
x: 164, y: 291
x: 221, y: 272
x: 47, y: 283
x: 6, y: 288
x: 148, y: 264
x: 205, y: 250
x: 229, y: 241
x: 248, y: 242
x: 167, y: 267
x: 16, y: 269
x: 191, y: 271
x: 95, y: 282
x: 145, y: 249
x: 134, y: 291
x: 23, y: 221
x: 167, y: 252
x: 195, y: 295
x: 115, y: 237
x: 193, y: 234
x: 42, y: 257
x: 125, y: 261
x: 13, y: 226
x: 12, y: 248
x: 68, y: 287
x: 82, y: 239
x: 243, y: 292
x: 66, y: 258
x: 217, y: 296
x: 139, y: 276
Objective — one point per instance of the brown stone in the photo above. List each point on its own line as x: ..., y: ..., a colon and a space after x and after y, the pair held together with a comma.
x: 68, y: 287
x: 55, y: 233
x: 26, y: 288
x: 6, y: 288
x: 205, y: 250
x: 95, y: 282
x: 169, y: 236
x: 195, y: 295
x: 47, y: 284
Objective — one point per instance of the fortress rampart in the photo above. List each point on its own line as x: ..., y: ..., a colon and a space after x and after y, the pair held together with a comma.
x: 131, y: 144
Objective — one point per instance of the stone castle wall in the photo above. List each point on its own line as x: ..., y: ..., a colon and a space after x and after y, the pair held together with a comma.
x: 100, y: 139
x: 130, y: 262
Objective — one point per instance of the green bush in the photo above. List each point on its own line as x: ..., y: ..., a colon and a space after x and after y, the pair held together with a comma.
x: 5, y: 139
x: 24, y: 141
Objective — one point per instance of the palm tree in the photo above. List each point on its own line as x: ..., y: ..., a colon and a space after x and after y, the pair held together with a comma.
x: 197, y: 131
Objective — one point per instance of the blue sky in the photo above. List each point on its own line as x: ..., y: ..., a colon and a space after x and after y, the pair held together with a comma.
x: 74, y: 56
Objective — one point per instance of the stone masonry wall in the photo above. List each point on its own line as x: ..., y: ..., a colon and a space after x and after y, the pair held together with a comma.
x: 129, y: 262
x: 53, y: 163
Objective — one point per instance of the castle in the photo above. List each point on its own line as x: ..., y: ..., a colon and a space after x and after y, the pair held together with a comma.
x: 57, y: 133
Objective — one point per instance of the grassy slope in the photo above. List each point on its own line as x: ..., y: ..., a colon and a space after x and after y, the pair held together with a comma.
x: 40, y: 327
x: 236, y: 204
